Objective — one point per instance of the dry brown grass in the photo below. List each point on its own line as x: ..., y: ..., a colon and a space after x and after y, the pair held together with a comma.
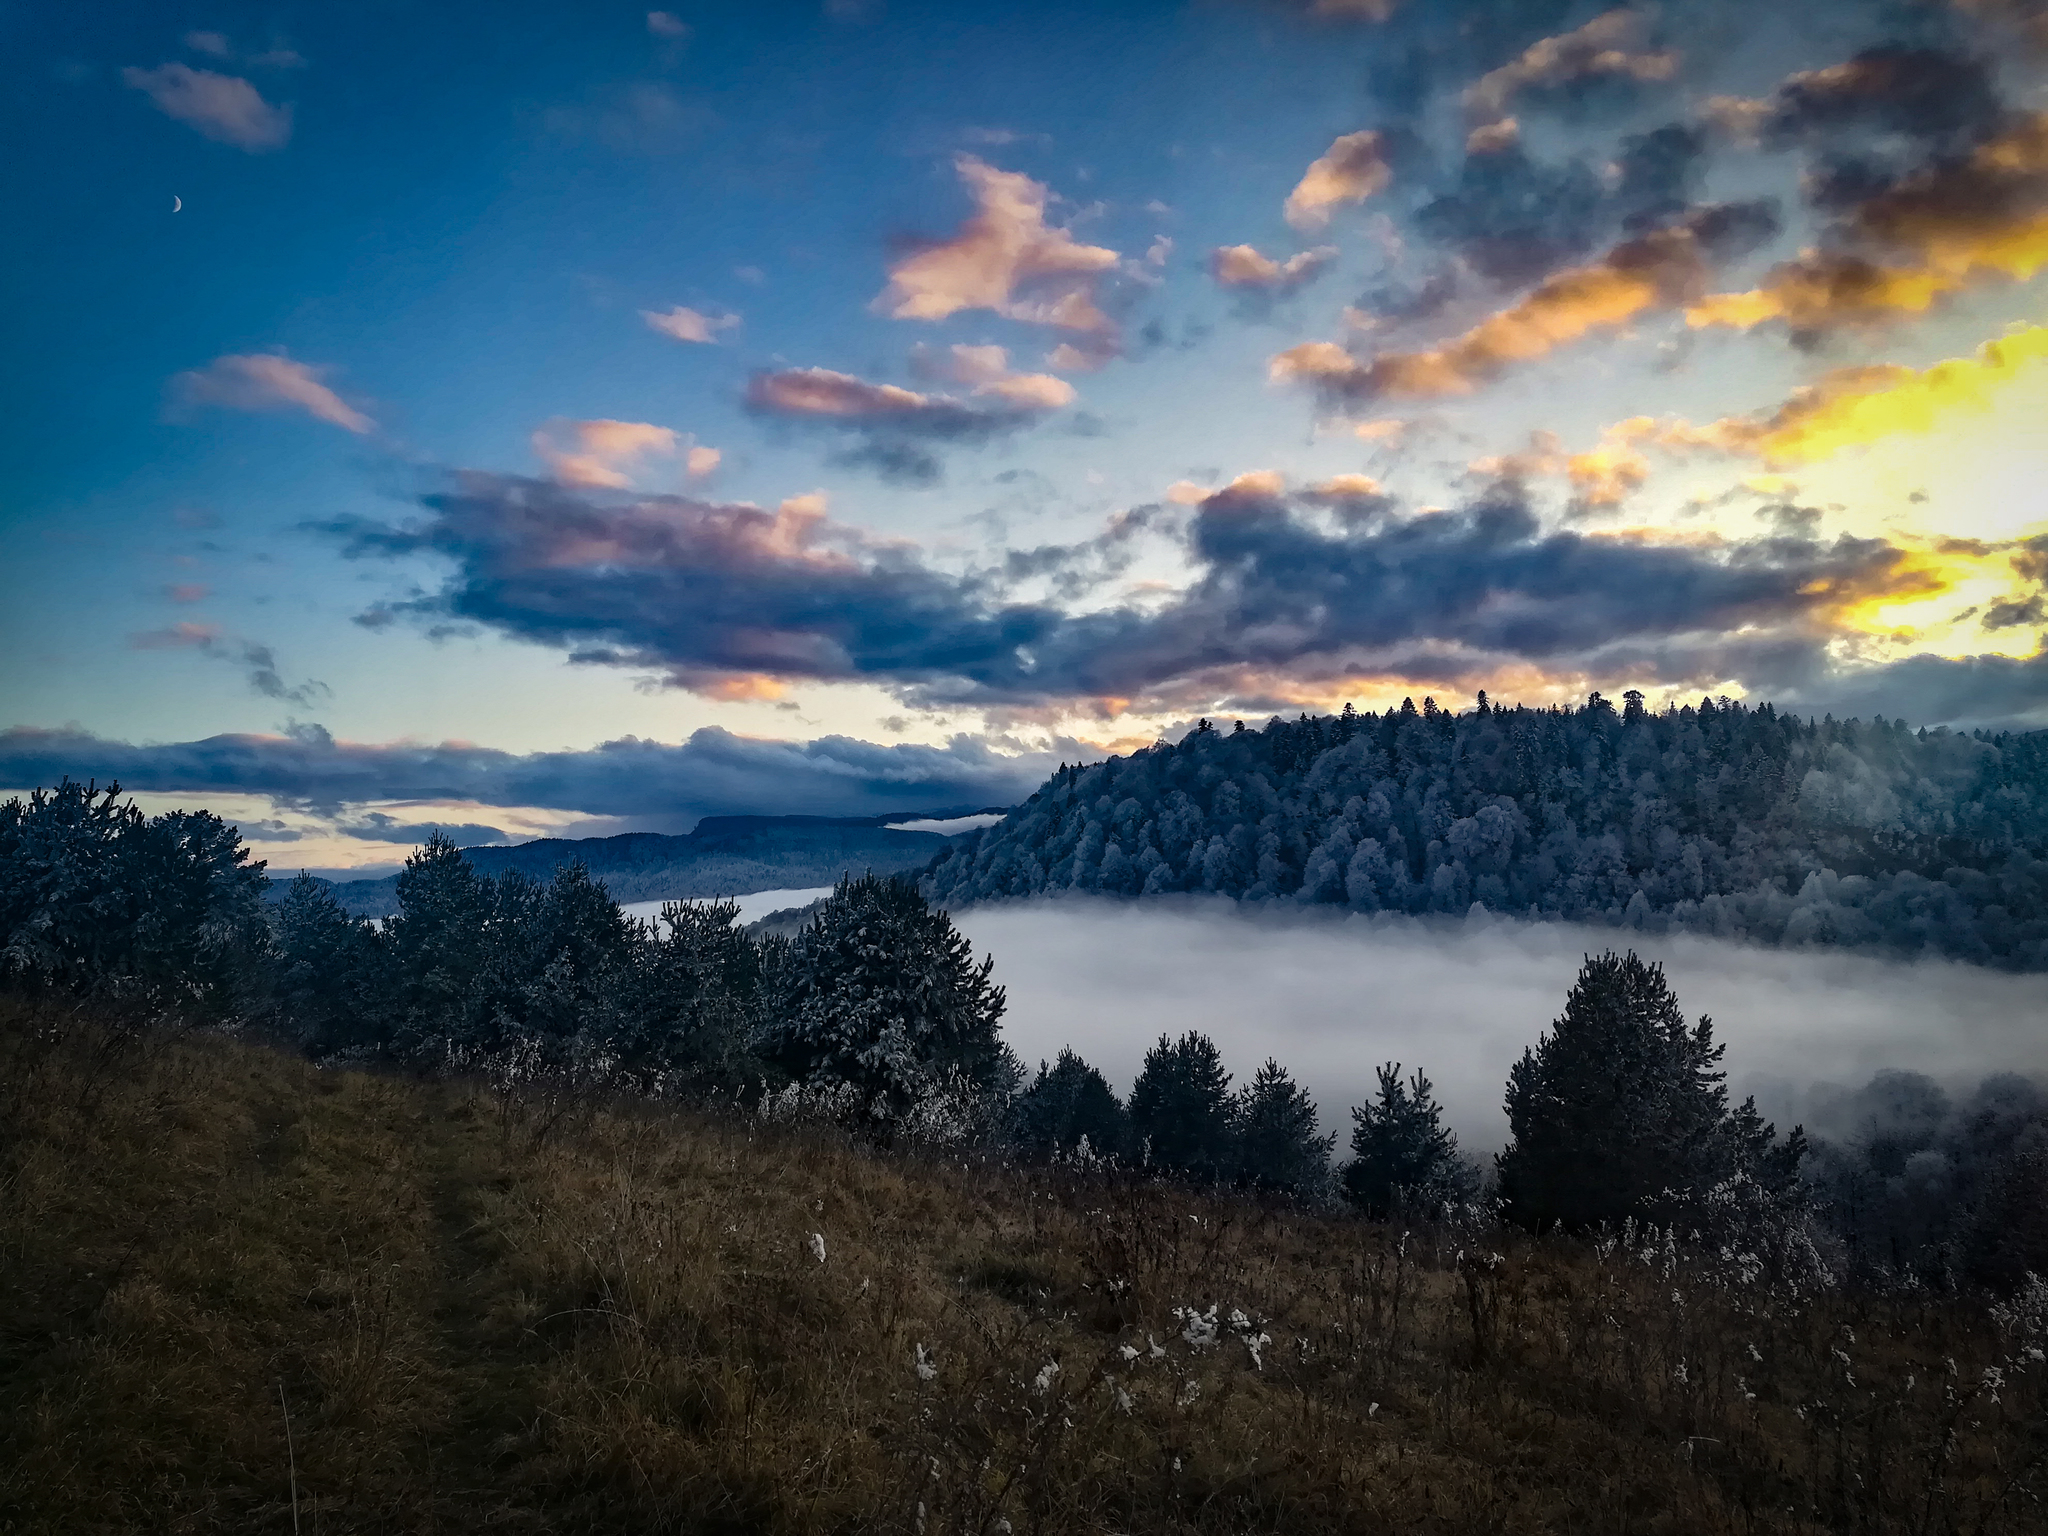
x: 626, y: 1328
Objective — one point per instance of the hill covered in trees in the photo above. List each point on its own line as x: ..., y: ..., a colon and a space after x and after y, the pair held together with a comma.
x: 720, y: 856
x: 1717, y: 818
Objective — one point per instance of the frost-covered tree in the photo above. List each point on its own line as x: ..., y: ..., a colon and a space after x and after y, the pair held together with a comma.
x: 1402, y: 1156
x: 1619, y: 1110
x: 1719, y: 817
x: 880, y: 991
x: 98, y: 899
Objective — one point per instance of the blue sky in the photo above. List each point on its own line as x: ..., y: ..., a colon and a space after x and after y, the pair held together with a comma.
x: 904, y: 397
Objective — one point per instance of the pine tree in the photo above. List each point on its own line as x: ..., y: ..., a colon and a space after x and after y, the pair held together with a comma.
x: 1618, y: 1111
x: 1402, y: 1157
x: 1068, y: 1101
x: 334, y: 982
x: 1181, y: 1108
x: 441, y: 940
x: 881, y: 991
x: 1277, y: 1145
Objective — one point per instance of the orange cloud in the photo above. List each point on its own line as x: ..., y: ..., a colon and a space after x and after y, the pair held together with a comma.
x: 267, y: 381
x: 1646, y: 273
x: 1349, y: 171
x: 1948, y: 227
x: 1243, y: 266
x: 603, y: 453
x: 1609, y: 45
x: 1005, y: 258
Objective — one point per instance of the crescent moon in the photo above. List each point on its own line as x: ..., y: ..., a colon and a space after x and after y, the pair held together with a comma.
x: 177, y: 203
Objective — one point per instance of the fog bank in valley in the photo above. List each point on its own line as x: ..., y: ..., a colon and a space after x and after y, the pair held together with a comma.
x: 1461, y: 999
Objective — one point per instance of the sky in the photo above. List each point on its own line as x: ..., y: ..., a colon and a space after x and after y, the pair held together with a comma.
x: 560, y: 420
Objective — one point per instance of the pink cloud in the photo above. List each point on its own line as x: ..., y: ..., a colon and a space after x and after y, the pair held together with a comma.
x: 185, y: 592
x: 225, y: 108
x: 1243, y: 266
x: 685, y: 324
x: 266, y: 381
x: 1004, y: 258
x: 176, y: 637
x: 1352, y: 169
x: 601, y: 453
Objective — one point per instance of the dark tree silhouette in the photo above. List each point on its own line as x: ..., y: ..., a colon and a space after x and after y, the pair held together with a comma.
x: 1181, y: 1108
x: 1401, y: 1155
x: 1277, y: 1145
x: 1067, y: 1101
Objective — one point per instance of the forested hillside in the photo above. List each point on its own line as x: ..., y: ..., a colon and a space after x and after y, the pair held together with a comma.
x: 721, y: 856
x: 1719, y: 818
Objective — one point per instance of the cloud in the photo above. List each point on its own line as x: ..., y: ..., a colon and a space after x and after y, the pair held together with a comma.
x: 696, y: 590
x: 1516, y: 220
x: 258, y: 660
x: 1461, y: 1001
x: 1652, y: 271
x: 701, y: 461
x: 667, y: 25
x: 1241, y: 266
x: 986, y: 370
x: 893, y: 423
x: 173, y: 637
x: 1607, y: 48
x: 1004, y: 258
x: 225, y: 108
x: 1952, y: 224
x: 684, y: 324
x: 185, y: 592
x: 267, y: 381
x: 712, y: 772
x: 1843, y: 409
x: 602, y: 453
x: 1352, y: 169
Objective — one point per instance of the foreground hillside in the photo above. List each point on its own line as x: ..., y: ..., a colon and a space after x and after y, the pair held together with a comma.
x: 1718, y: 818
x: 241, y: 1293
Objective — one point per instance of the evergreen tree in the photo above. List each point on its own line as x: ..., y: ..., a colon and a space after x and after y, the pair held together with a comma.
x: 97, y: 899
x: 1067, y: 1101
x: 698, y: 1000
x: 1277, y: 1145
x: 880, y: 990
x: 1402, y: 1157
x: 1181, y: 1108
x: 334, y: 981
x: 441, y: 940
x: 1618, y: 1111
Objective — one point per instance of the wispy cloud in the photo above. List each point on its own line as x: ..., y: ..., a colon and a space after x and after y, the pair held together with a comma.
x: 1656, y: 270
x: 1608, y: 47
x: 602, y: 453
x: 1352, y: 169
x: 894, y: 422
x: 685, y: 324
x: 1004, y: 258
x: 1243, y: 266
x: 258, y: 661
x: 267, y: 381
x: 225, y: 108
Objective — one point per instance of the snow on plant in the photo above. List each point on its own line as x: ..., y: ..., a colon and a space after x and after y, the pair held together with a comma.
x: 1046, y: 1376
x: 926, y: 1367
x: 811, y: 1104
x: 1198, y: 1328
x: 817, y: 1246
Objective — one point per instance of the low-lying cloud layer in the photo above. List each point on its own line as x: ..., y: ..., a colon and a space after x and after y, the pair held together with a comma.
x: 1461, y: 1001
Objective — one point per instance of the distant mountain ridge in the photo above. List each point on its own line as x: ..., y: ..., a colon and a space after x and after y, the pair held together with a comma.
x: 1723, y: 818
x: 720, y: 856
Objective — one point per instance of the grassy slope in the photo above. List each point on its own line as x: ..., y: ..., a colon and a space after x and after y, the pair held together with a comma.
x: 624, y: 1328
